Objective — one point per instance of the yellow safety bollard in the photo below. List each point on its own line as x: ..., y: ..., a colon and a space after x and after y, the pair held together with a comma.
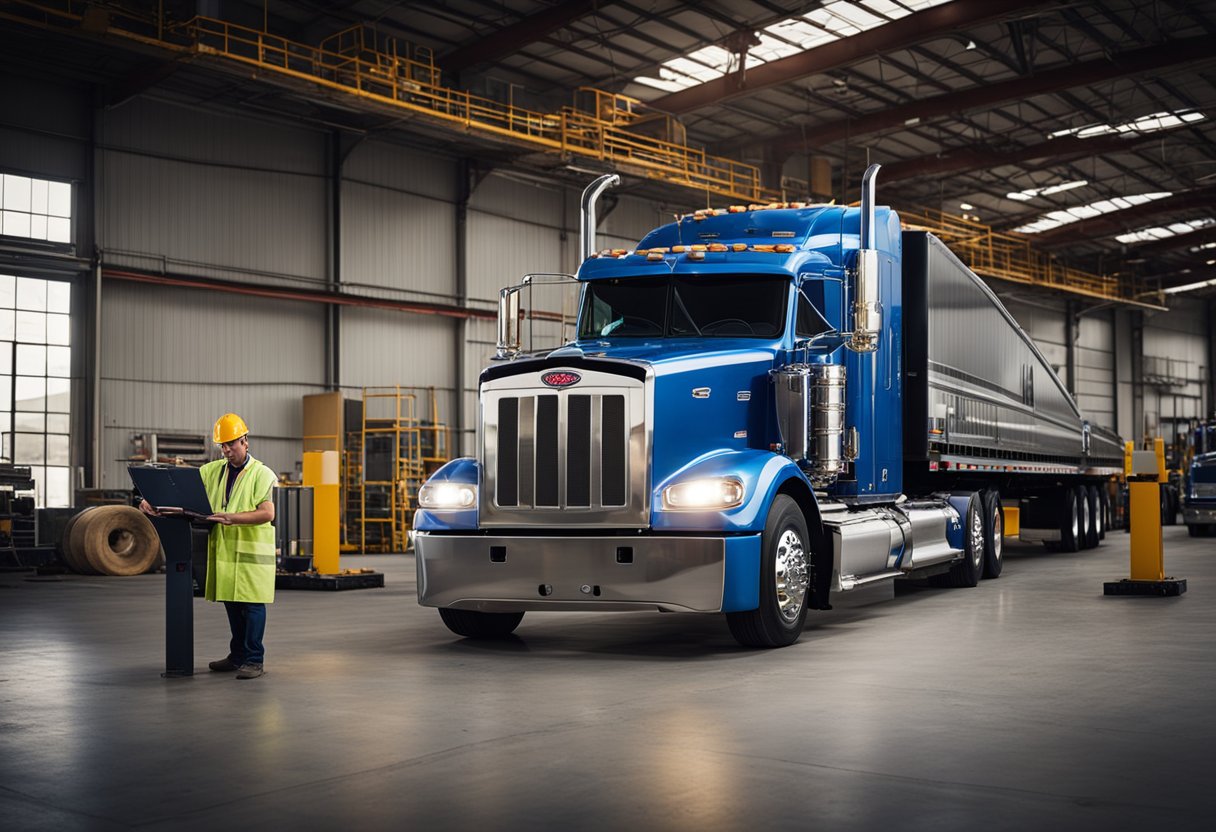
x: 1145, y: 472
x: 321, y: 474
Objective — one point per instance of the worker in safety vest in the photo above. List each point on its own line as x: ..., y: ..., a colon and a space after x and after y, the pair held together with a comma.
x: 240, y: 549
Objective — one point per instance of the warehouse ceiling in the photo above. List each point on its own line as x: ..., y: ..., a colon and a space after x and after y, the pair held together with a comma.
x: 1088, y: 125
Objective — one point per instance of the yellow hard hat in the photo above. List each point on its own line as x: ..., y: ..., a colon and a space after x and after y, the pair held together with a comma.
x: 228, y: 427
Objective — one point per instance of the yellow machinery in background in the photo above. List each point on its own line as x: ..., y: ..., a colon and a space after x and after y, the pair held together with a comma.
x: 1145, y: 472
x: 390, y: 440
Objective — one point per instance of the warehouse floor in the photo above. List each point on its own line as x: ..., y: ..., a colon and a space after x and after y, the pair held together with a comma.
x: 1029, y: 702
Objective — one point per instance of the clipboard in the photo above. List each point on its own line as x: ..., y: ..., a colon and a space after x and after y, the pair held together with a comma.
x: 173, y: 490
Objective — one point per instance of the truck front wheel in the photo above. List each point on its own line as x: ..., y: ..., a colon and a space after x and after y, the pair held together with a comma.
x: 785, y: 577
x: 472, y: 624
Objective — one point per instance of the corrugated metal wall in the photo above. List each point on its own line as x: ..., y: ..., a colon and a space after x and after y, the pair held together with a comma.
x: 201, y: 193
x: 1095, y: 355
x: 1175, y: 365
x: 173, y: 360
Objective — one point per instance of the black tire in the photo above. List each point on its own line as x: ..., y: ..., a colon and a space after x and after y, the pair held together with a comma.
x: 1070, y: 521
x: 473, y: 624
x: 967, y: 571
x: 994, y: 534
x: 784, y: 561
x: 1103, y: 511
x: 1169, y: 506
x: 1085, y: 518
x: 1093, y: 532
x: 1193, y: 529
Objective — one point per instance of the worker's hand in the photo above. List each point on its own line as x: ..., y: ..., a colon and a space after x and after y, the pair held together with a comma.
x: 223, y: 518
x: 147, y: 509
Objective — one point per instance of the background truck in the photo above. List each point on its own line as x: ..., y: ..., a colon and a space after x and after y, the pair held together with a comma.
x: 1199, y: 487
x: 763, y: 406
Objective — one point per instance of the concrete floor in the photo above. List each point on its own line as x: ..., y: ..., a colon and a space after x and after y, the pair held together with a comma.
x: 1029, y: 702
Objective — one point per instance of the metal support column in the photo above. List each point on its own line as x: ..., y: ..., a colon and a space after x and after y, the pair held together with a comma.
x: 1072, y: 326
x: 1137, y: 332
x: 464, y: 189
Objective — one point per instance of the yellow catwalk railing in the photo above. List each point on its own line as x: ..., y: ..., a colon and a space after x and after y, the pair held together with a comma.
x: 1010, y: 256
x: 357, y: 62
x: 608, y: 128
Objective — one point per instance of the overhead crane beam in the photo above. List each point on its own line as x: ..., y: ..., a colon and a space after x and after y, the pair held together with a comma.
x: 1171, y: 53
x: 511, y: 38
x: 908, y: 31
x: 970, y: 158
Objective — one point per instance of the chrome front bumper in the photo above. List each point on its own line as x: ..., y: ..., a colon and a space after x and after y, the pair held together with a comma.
x: 1191, y: 516
x: 511, y: 574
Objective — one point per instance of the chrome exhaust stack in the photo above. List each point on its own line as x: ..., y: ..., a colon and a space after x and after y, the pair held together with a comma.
x: 867, y: 306
x: 587, y: 217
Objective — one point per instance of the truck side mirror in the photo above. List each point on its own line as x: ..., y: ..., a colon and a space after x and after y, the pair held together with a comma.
x: 510, y: 330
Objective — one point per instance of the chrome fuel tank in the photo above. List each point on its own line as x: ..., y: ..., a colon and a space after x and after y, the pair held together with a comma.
x: 810, y: 416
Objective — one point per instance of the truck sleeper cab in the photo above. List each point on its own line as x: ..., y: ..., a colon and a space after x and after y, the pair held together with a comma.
x: 728, y: 434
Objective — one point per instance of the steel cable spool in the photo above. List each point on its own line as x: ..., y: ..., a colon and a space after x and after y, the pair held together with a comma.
x: 73, y: 544
x: 117, y: 540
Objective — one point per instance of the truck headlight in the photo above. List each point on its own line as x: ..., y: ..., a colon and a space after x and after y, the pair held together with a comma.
x: 709, y: 493
x: 449, y: 495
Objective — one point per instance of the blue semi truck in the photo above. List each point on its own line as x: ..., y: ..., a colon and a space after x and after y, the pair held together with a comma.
x: 763, y: 407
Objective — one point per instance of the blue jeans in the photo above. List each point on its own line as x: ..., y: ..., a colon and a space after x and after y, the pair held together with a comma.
x: 248, y: 624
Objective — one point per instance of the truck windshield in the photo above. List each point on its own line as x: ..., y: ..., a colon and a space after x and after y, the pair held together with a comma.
x: 685, y: 307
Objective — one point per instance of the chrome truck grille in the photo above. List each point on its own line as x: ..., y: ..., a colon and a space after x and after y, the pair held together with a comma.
x: 575, y: 456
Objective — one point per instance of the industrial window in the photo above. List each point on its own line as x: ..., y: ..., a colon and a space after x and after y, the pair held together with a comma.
x: 35, y: 209
x: 35, y: 382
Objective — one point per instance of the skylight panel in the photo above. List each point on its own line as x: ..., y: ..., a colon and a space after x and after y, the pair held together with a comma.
x: 1031, y: 193
x: 834, y: 20
x: 855, y: 15
x: 1144, y: 124
x: 797, y: 31
x: 886, y: 8
x: 1055, y: 219
x: 1163, y: 232
x: 1203, y: 247
x: 770, y: 49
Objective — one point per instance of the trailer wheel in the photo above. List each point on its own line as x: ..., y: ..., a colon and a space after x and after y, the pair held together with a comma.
x: 967, y: 571
x: 1085, y: 518
x: 473, y: 624
x: 1103, y: 511
x: 1070, y: 521
x: 785, y: 578
x: 994, y: 534
x: 1093, y: 529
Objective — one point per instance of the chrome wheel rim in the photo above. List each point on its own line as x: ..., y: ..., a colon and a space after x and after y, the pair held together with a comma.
x: 791, y: 574
x: 1083, y: 512
x: 977, y: 536
x: 998, y: 528
x: 1098, y: 518
x: 1076, y: 522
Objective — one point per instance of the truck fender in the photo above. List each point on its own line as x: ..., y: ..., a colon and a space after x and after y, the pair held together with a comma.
x: 464, y: 470
x: 764, y: 475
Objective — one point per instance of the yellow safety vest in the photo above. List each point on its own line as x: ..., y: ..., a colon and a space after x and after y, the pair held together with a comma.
x: 240, y: 559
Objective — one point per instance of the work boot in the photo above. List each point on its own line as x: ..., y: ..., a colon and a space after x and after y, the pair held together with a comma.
x: 224, y: 665
x: 249, y: 671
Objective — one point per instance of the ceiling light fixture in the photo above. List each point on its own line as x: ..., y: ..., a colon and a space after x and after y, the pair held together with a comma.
x: 1190, y: 287
x: 1047, y: 190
